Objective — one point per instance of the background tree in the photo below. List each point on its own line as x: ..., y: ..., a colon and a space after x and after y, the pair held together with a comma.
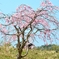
x: 26, y: 24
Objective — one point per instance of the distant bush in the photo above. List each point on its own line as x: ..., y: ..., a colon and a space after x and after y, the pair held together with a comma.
x: 49, y: 47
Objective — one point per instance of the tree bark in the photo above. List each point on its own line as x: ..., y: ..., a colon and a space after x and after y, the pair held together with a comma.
x: 19, y: 56
x: 19, y: 50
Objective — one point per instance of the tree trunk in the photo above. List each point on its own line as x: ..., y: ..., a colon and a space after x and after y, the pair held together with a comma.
x: 19, y: 53
x: 19, y: 57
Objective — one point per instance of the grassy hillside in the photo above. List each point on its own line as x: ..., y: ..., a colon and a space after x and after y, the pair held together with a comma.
x: 11, y: 53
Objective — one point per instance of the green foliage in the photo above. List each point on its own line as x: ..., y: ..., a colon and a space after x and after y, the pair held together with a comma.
x: 36, y: 53
x: 49, y: 47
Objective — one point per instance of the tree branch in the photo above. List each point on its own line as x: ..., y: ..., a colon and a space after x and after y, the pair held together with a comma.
x: 26, y: 53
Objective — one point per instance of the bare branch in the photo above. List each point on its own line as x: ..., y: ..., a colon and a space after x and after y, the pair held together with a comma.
x: 26, y: 52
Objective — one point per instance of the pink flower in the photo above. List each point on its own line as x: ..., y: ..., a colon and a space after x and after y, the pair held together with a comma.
x: 4, y: 30
x: 0, y: 25
x: 44, y: 22
x: 43, y: 4
x: 13, y: 37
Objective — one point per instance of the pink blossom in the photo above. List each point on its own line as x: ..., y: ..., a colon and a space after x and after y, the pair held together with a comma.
x: 1, y: 13
x: 7, y: 19
x: 0, y: 25
x: 32, y: 35
x: 44, y: 23
x: 7, y: 42
x: 13, y: 37
x: 42, y: 13
x: 43, y: 4
x: 47, y: 31
x: 25, y: 17
x: 49, y: 3
x: 44, y: 40
x: 4, y: 30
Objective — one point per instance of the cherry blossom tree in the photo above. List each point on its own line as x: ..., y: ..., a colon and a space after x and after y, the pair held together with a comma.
x: 26, y: 24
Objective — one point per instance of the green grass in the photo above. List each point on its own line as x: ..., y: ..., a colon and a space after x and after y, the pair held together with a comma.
x: 11, y: 53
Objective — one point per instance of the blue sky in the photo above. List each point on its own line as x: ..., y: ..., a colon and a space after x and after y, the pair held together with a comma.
x: 9, y: 6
